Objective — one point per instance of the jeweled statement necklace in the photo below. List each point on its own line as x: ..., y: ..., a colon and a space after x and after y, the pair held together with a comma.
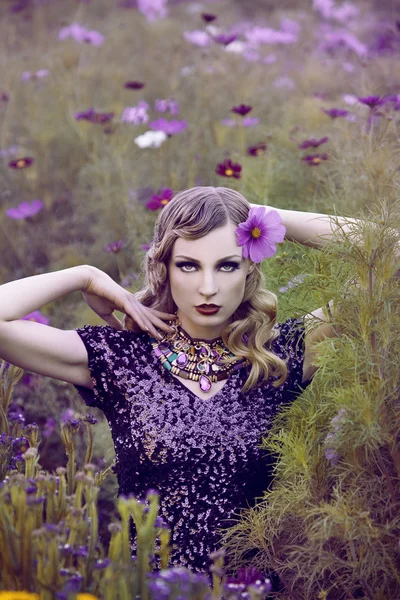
x: 194, y: 359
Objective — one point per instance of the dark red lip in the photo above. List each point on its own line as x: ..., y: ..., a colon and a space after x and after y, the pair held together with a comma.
x: 208, y: 306
x: 207, y: 311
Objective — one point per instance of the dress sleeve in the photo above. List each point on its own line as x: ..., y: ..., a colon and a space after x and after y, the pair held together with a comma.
x: 101, y: 343
x: 290, y: 346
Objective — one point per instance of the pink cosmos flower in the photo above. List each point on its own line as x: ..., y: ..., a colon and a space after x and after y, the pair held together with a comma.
x: 260, y: 233
x: 198, y: 38
x: 153, y: 10
x: 25, y: 210
x: 136, y: 114
x: 169, y: 127
x: 265, y: 35
x: 37, y: 317
x: 81, y: 34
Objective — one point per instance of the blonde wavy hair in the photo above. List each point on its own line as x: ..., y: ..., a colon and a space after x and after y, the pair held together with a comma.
x: 192, y: 214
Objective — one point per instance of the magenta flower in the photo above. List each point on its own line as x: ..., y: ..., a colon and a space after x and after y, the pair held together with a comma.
x: 94, y: 117
x: 25, y: 210
x: 208, y: 18
x: 167, y: 105
x: 334, y: 113
x: 313, y: 160
x: 372, y: 101
x: 260, y: 233
x: 242, y: 109
x: 115, y: 247
x: 37, y: 317
x: 164, y: 196
x: 225, y: 38
x: 21, y: 163
x: 257, y: 150
x: 169, y: 127
x: 229, y: 169
x: 313, y: 143
x: 133, y: 85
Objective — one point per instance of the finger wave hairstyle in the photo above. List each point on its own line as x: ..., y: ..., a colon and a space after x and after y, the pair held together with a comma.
x: 192, y: 214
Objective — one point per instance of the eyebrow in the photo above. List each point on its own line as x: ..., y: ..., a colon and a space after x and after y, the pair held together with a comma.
x: 194, y: 260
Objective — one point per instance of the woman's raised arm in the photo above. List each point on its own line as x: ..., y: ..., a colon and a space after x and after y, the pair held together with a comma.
x: 53, y: 352
x: 39, y: 348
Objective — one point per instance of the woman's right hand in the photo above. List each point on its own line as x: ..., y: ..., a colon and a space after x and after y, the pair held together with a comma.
x: 104, y: 296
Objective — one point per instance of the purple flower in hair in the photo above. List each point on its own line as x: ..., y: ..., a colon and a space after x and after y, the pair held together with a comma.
x: 260, y: 233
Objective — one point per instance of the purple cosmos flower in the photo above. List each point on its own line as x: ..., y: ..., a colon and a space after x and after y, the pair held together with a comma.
x: 208, y: 18
x: 25, y: 210
x: 242, y: 109
x: 313, y: 143
x: 225, y: 38
x: 37, y: 317
x: 153, y: 10
x: 167, y: 105
x: 164, y: 196
x: 115, y: 247
x: 198, y: 38
x: 372, y: 101
x: 94, y: 117
x: 169, y: 127
x: 133, y: 85
x: 334, y: 113
x: 136, y: 114
x: 260, y: 233
x: 229, y: 169
x: 21, y: 163
x: 257, y: 150
x: 313, y: 160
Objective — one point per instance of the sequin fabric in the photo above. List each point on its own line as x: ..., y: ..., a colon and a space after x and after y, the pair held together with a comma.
x: 202, y: 456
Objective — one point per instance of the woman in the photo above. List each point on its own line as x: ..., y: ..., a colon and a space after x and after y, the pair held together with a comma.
x: 188, y: 392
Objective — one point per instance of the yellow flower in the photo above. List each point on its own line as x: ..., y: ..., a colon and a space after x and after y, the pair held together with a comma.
x: 18, y: 596
x: 84, y: 597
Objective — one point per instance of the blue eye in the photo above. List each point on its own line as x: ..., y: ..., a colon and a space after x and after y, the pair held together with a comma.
x: 233, y: 266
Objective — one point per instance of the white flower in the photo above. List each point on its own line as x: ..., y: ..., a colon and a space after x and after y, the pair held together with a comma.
x: 151, y: 139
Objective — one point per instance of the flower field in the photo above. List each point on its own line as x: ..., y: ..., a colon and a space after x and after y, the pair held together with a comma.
x: 108, y: 108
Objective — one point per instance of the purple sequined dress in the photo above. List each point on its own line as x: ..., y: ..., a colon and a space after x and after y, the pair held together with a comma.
x: 203, y: 456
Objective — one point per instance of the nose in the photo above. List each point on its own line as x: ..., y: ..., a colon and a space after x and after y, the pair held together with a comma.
x: 208, y: 285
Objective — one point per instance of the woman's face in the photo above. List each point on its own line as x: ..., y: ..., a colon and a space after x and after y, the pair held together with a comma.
x: 209, y: 270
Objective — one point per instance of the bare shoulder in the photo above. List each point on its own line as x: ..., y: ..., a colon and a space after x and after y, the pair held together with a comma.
x: 314, y: 335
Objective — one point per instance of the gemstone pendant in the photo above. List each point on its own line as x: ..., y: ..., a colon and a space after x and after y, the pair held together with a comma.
x: 205, y: 383
x: 182, y: 360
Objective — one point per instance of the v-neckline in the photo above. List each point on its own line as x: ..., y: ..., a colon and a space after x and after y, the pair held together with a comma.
x: 181, y: 384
